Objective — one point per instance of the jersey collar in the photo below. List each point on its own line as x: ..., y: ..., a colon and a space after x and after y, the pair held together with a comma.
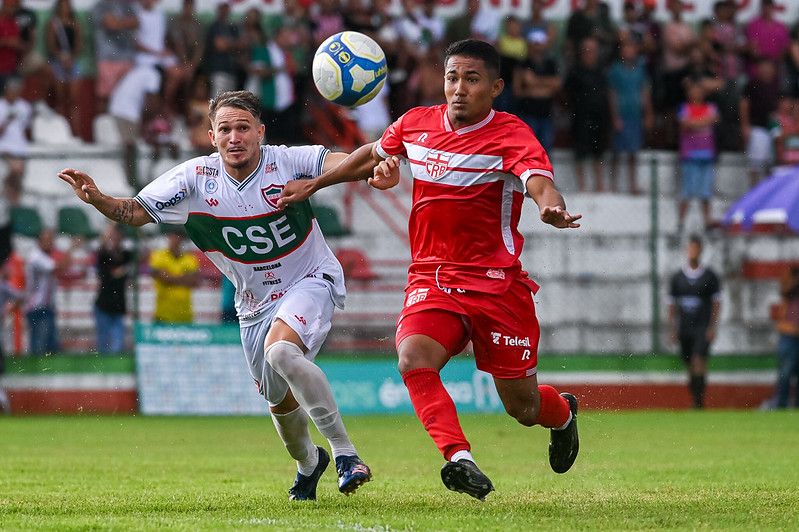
x: 466, y: 129
x: 250, y: 178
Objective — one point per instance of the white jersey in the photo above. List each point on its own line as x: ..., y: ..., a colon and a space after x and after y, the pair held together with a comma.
x: 263, y: 251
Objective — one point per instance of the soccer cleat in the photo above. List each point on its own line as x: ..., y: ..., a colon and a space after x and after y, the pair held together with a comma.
x: 564, y: 444
x: 464, y: 476
x: 304, y: 488
x: 352, y: 472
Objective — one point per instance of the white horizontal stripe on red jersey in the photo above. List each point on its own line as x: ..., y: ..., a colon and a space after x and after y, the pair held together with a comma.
x: 456, y: 169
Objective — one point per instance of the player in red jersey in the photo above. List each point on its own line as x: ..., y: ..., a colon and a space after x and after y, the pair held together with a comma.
x: 471, y: 167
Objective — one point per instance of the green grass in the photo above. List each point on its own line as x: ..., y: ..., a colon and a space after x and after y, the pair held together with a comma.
x: 714, y: 470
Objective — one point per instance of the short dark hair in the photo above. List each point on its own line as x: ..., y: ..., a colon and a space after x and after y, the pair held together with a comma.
x: 695, y: 239
x: 244, y: 100
x: 476, y: 50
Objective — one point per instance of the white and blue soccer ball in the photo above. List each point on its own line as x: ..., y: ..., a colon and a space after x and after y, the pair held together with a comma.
x: 349, y: 68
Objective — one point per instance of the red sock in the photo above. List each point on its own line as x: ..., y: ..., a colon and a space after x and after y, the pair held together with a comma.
x: 555, y: 409
x: 435, y: 410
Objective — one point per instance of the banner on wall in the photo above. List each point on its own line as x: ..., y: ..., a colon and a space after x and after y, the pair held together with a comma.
x: 201, y: 370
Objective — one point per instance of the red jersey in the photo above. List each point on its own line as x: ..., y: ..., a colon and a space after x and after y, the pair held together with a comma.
x: 468, y: 188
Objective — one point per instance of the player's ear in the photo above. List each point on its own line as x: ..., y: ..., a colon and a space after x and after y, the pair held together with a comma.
x: 496, y: 88
x: 212, y: 136
x: 261, y: 132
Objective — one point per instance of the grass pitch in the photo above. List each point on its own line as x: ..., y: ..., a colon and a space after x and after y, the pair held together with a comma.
x: 713, y: 470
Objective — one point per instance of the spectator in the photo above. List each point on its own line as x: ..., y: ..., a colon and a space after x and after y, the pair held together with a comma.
x: 127, y: 104
x: 793, y: 63
x: 697, y: 151
x: 727, y: 45
x: 197, y: 119
x: 536, y: 81
x: 537, y: 22
x: 5, y: 228
x: 631, y: 110
x: 271, y: 70
x: 8, y: 295
x: 113, y: 273
x: 679, y: 39
x: 175, y: 273
x: 592, y: 20
x: 151, y: 49
x: 115, y: 24
x: 327, y: 19
x: 694, y: 311
x: 31, y: 61
x: 785, y: 131
x: 757, y: 106
x: 223, y: 50
x: 767, y: 38
x: 64, y: 44
x: 788, y: 347
x: 427, y: 80
x: 460, y: 26
x: 651, y: 50
x: 512, y: 48
x: 16, y: 116
x: 374, y: 116
x: 41, y: 270
x: 10, y: 43
x: 586, y: 88
x: 186, y: 39
x: 631, y: 28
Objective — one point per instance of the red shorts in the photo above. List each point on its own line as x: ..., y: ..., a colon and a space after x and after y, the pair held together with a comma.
x: 503, y: 329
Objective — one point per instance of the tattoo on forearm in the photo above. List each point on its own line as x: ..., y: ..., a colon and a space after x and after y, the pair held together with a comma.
x: 123, y: 212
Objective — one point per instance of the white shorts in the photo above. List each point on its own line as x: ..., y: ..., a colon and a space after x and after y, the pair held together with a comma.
x: 307, y: 308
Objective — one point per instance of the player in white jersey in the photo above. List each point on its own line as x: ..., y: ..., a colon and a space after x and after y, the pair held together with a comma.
x: 287, y: 280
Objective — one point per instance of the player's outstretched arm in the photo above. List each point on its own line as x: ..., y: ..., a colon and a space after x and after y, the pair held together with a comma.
x: 357, y: 166
x: 551, y: 203
x: 123, y: 210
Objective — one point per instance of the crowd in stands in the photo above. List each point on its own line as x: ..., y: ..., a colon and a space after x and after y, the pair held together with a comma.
x: 619, y: 85
x: 592, y: 84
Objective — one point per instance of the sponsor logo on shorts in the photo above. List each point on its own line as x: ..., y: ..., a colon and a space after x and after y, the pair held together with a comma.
x: 511, y: 341
x: 416, y: 296
x: 495, y: 273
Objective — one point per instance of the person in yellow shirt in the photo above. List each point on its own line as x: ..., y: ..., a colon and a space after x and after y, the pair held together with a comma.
x: 174, y: 273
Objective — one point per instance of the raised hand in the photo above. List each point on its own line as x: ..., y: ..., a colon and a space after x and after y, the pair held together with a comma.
x: 82, y: 184
x: 559, y: 217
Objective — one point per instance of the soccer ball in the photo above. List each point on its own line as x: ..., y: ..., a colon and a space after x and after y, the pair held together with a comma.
x: 349, y: 68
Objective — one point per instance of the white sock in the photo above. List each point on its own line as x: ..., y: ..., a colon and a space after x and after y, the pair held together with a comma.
x: 565, y: 424
x: 293, y: 430
x: 462, y: 455
x: 309, y: 385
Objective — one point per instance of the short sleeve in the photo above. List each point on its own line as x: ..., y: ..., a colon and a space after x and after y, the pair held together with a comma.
x: 303, y: 162
x: 391, y: 141
x: 524, y: 155
x: 166, y: 198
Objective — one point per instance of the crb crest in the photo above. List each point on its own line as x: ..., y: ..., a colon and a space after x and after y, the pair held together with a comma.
x: 271, y: 194
x: 437, y: 164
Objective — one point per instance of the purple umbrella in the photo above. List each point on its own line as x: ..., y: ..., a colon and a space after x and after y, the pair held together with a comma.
x: 771, y: 204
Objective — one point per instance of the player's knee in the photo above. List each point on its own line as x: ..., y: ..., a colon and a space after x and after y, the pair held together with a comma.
x: 282, y: 355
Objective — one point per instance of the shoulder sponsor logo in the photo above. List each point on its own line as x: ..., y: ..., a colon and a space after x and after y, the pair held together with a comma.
x: 437, y: 164
x: 211, y: 185
x: 207, y: 170
x: 416, y: 296
x: 271, y: 194
x: 174, y: 200
x: 271, y: 167
x: 495, y: 274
